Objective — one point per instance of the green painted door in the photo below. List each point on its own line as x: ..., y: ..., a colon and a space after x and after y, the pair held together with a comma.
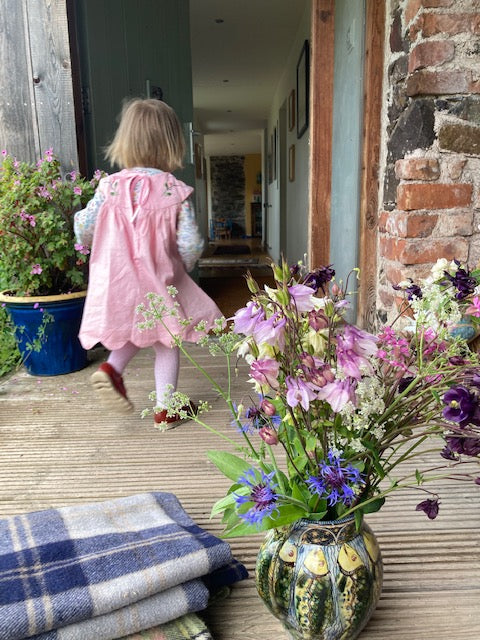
x: 131, y: 48
x: 349, y: 59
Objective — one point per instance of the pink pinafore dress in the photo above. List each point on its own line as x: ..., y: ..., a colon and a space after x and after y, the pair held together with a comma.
x: 135, y: 252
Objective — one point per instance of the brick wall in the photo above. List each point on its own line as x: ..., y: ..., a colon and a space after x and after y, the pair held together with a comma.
x: 431, y: 186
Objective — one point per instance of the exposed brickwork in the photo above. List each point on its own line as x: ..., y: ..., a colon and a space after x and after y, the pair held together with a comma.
x: 417, y: 169
x: 431, y: 186
x: 446, y: 23
x: 436, y: 83
x: 418, y: 196
x: 428, y: 54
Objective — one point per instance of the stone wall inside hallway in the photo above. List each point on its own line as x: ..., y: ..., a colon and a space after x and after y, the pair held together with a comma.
x: 431, y: 178
x: 228, y: 191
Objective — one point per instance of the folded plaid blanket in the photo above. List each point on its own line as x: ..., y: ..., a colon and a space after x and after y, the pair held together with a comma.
x: 106, y: 570
x: 188, y: 627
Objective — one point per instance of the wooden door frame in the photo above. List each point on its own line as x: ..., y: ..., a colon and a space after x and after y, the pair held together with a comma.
x: 321, y: 108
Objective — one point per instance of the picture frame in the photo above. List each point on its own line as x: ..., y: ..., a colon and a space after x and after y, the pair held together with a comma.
x: 291, y: 110
x: 303, y: 89
x: 274, y: 153
x: 291, y: 163
x: 198, y: 155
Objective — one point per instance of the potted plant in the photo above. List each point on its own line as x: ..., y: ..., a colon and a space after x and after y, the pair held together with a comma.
x: 43, y: 269
x: 339, y: 412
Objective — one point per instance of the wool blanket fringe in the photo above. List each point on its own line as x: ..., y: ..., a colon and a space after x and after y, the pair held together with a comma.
x: 107, y: 570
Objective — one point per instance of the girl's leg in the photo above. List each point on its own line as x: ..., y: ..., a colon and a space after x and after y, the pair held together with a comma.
x: 108, y: 382
x: 167, y: 361
x: 119, y: 358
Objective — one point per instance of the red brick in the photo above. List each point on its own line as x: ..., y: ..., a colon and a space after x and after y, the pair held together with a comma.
x: 474, y: 86
x: 417, y: 169
x: 394, y: 274
x: 382, y: 221
x: 411, y: 225
x: 455, y: 167
x: 416, y: 251
x: 435, y: 4
x: 433, y: 196
x: 437, y: 83
x: 449, y: 23
x: 475, y: 25
x: 411, y: 10
x: 391, y: 248
x: 430, y: 54
x: 387, y: 299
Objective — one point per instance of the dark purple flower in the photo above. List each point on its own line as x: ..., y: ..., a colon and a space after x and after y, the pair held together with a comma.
x: 412, y: 290
x: 477, y: 480
x: 466, y: 446
x: 462, y: 406
x: 335, y: 481
x: 430, y: 507
x: 462, y: 281
x: 261, y: 493
x: 318, y: 278
x: 404, y: 382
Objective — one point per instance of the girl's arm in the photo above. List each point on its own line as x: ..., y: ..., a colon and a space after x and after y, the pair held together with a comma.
x: 189, y: 241
x: 84, y: 220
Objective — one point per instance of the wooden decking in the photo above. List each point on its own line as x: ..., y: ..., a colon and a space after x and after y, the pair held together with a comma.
x: 58, y: 447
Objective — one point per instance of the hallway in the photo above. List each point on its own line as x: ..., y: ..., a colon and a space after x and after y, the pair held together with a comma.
x: 223, y: 267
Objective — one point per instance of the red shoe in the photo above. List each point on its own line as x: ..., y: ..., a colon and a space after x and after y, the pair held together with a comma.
x: 170, y: 422
x: 110, y: 389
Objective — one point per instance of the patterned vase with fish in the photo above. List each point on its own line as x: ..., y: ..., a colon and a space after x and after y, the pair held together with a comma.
x: 321, y: 579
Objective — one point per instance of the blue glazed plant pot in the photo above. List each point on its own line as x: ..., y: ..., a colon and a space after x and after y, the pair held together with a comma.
x: 322, y: 580
x: 61, y: 351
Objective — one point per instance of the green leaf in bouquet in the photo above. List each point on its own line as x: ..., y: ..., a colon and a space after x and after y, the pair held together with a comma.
x: 230, y: 465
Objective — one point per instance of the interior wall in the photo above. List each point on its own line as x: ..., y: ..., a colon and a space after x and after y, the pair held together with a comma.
x: 253, y: 171
x: 296, y: 232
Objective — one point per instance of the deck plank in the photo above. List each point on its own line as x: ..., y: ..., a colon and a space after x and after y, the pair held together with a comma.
x: 58, y: 447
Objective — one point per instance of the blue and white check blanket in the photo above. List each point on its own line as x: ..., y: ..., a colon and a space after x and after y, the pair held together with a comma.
x: 105, y: 570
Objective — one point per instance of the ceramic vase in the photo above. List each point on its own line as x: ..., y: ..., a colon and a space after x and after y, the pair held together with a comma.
x: 321, y: 579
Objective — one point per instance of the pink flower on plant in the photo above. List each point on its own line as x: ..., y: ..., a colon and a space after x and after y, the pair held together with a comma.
x: 354, y: 346
x: 246, y: 318
x: 36, y: 269
x: 77, y: 191
x: 298, y: 392
x: 82, y: 249
x: 270, y: 331
x: 49, y: 154
x: 43, y: 192
x: 302, y: 296
x: 265, y: 371
x: 4, y: 152
x: 338, y: 393
x: 474, y: 308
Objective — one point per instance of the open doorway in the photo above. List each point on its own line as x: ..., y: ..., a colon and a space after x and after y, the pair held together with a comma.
x: 243, y: 65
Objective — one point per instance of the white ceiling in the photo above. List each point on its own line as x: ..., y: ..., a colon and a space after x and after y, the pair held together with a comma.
x: 248, y: 49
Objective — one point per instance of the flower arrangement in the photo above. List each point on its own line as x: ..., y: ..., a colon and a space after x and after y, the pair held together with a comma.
x: 37, y: 242
x: 336, y: 409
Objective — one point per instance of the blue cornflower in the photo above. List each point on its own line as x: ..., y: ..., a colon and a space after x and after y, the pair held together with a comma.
x: 262, y: 495
x: 335, y: 481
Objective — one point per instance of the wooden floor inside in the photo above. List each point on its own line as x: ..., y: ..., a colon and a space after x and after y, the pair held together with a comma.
x: 59, y: 447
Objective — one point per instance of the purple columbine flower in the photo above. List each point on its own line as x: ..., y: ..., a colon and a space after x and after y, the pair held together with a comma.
x: 462, y: 406
x: 412, y: 290
x: 462, y: 281
x: 463, y: 446
x: 430, y: 507
x: 319, y: 278
x: 265, y: 371
x: 302, y: 296
x: 338, y: 393
x: 270, y: 331
x: 298, y: 392
x: 354, y: 346
x: 335, y: 481
x: 262, y: 494
x: 246, y: 318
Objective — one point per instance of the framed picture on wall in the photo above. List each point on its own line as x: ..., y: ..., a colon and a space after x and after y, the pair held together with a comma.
x: 274, y: 153
x: 291, y: 110
x: 291, y: 163
x: 198, y: 161
x: 303, y: 72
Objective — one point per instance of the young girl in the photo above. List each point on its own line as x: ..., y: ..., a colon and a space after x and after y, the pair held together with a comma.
x: 143, y: 236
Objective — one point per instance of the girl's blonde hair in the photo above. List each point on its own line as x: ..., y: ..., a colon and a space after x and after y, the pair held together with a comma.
x: 149, y: 135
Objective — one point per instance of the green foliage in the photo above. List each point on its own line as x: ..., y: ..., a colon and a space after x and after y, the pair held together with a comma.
x: 37, y: 242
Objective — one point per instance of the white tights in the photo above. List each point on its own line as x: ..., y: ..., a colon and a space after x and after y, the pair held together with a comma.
x: 165, y: 369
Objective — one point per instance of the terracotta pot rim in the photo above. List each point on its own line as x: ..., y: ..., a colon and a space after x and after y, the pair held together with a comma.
x: 6, y: 296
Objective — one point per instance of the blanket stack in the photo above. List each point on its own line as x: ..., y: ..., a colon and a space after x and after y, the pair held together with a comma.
x: 108, y: 570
